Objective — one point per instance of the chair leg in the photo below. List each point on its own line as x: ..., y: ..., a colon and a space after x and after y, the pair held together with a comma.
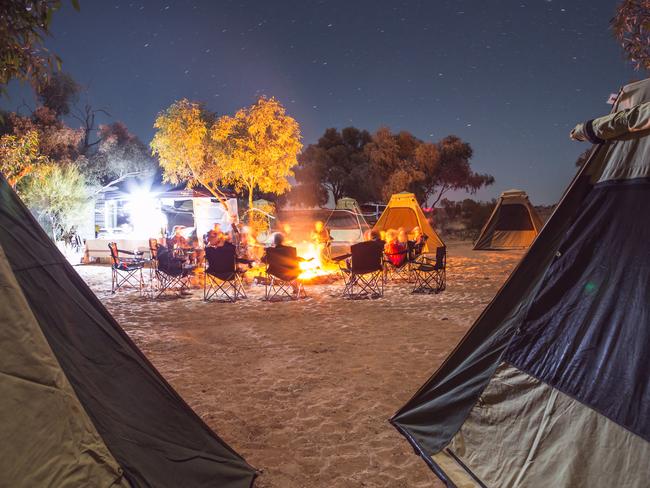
x: 276, y: 289
x: 230, y: 290
x: 369, y: 286
x: 433, y: 281
x: 132, y: 278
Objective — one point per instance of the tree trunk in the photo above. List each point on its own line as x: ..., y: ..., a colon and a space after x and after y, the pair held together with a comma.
x: 217, y: 194
x: 250, y: 203
x: 337, y: 194
x: 443, y: 190
x: 53, y: 228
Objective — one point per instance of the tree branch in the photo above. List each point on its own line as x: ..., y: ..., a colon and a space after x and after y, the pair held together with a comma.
x: 443, y: 190
x: 121, y: 179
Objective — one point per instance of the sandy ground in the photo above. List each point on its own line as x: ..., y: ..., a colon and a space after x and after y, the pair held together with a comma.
x: 304, y: 390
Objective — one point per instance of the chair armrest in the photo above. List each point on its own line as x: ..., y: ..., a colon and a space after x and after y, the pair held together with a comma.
x: 130, y: 253
x: 398, y: 253
x: 338, y: 259
x: 426, y: 257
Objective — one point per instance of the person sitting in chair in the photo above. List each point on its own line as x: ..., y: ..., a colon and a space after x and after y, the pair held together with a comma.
x: 419, y: 241
x: 277, y: 243
x: 322, y: 238
x: 402, y: 238
x: 286, y: 261
x: 395, y: 251
x: 372, y: 235
x: 178, y: 241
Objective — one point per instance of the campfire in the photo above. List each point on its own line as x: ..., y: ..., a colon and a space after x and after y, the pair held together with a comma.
x: 314, y: 269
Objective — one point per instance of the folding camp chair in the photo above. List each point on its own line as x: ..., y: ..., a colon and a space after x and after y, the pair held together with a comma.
x: 126, y: 272
x: 401, y: 270
x: 222, y: 278
x: 363, y: 272
x: 170, y: 272
x: 430, y: 276
x: 282, y: 271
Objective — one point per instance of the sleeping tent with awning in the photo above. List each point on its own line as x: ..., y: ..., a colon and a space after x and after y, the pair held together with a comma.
x: 80, y: 405
x: 403, y: 210
x: 513, y: 224
x: 550, y: 386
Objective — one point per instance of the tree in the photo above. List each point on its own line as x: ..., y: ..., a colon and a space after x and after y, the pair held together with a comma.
x: 453, y: 171
x: 631, y: 26
x: 25, y: 23
x: 373, y: 168
x: 309, y: 191
x: 182, y: 144
x: 257, y: 148
x: 56, y: 195
x: 119, y: 155
x: 58, y: 93
x: 20, y: 156
x: 470, y: 214
x: 331, y: 166
x: 399, y: 162
x: 87, y: 116
x: 57, y: 141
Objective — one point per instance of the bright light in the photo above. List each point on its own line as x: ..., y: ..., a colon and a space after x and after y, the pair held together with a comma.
x: 314, y: 265
x: 145, y: 215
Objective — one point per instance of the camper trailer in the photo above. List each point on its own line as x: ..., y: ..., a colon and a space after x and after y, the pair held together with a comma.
x: 131, y: 218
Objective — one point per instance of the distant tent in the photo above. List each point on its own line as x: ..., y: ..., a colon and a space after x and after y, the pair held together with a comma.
x: 550, y: 386
x: 347, y: 203
x: 403, y: 210
x: 346, y: 223
x: 80, y: 404
x: 514, y: 223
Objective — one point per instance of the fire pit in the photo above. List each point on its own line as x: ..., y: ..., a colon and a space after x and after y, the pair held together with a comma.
x: 315, y: 270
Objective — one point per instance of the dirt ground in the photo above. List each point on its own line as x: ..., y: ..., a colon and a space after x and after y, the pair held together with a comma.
x: 304, y: 390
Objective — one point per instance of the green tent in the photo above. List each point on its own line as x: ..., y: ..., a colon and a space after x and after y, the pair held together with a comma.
x: 80, y: 404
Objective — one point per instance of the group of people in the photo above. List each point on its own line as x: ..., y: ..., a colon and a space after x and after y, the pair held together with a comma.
x: 191, y: 250
x: 399, y: 248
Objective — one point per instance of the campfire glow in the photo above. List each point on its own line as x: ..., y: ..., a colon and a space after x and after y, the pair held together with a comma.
x: 314, y: 267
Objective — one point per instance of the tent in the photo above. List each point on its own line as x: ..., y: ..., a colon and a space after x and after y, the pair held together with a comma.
x: 80, y: 404
x: 550, y: 386
x: 514, y: 223
x: 346, y: 223
x: 403, y: 210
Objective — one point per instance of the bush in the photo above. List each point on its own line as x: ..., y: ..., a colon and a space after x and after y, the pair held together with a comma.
x: 57, y: 196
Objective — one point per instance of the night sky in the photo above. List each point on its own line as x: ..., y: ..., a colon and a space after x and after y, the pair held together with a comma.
x: 510, y: 77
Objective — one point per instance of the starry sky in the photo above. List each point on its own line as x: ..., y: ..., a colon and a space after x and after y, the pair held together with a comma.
x: 510, y: 77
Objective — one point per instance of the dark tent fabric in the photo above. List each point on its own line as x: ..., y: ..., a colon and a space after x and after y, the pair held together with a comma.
x: 572, y: 322
x: 600, y: 312
x: 514, y: 217
x: 453, y: 390
x: 156, y: 438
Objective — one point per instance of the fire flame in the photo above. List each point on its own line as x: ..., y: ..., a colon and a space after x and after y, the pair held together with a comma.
x: 314, y: 265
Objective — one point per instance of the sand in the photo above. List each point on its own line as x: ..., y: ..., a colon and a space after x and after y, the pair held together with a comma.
x: 304, y: 390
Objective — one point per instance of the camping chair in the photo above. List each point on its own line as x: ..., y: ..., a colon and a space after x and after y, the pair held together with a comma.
x: 363, y: 272
x: 126, y: 271
x: 430, y: 275
x: 171, y: 273
x: 402, y: 270
x: 282, y: 271
x: 222, y: 278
